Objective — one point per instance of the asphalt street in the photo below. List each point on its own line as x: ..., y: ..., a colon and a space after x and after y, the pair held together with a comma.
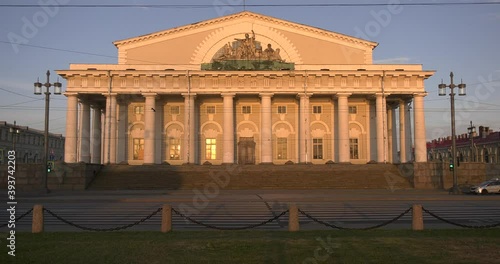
x: 244, y: 208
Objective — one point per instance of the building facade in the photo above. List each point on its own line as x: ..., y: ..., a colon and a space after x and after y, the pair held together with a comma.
x: 247, y: 89
x: 28, y: 144
x: 481, y: 147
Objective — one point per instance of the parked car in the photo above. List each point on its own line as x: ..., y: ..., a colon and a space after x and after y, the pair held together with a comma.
x: 489, y: 186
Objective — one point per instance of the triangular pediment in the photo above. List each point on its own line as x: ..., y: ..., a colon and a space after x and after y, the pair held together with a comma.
x: 205, y: 41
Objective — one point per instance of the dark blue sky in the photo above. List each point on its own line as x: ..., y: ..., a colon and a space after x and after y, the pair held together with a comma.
x: 459, y: 38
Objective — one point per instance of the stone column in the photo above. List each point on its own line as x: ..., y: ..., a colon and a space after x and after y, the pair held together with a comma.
x: 389, y: 130
x: 402, y: 131
x: 266, y: 129
x: 228, y: 140
x: 122, y: 125
x: 420, y: 143
x: 113, y: 131
x: 344, y: 151
x: 149, y: 128
x: 96, y: 135
x: 380, y: 127
x: 71, y: 128
x: 84, y: 135
x: 394, y: 136
x: 304, y: 134
x: 409, y: 138
x: 189, y: 128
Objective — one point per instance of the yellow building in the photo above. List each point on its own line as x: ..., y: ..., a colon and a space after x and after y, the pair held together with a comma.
x: 248, y: 89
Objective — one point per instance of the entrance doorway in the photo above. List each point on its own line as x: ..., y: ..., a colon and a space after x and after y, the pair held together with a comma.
x: 246, y: 150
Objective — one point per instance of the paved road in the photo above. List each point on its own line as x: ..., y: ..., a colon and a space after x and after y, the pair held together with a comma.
x: 235, y: 209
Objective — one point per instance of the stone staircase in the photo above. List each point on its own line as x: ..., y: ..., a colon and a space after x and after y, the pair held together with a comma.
x: 340, y: 176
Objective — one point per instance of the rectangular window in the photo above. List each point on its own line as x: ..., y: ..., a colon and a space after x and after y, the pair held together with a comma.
x: 317, y: 148
x: 175, y: 148
x: 246, y: 109
x: 210, y: 149
x: 281, y: 149
x: 281, y: 109
x: 1, y: 156
x: 353, y: 143
x: 317, y: 109
x: 138, y: 146
x: 139, y: 110
x: 175, y: 110
x: 211, y: 109
x: 353, y: 110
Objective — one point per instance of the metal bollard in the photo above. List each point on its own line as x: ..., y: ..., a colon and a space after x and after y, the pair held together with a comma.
x: 166, y: 218
x: 37, y: 220
x: 293, y: 218
x: 418, y: 219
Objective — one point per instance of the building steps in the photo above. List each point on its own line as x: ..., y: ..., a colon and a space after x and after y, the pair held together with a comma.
x: 341, y: 176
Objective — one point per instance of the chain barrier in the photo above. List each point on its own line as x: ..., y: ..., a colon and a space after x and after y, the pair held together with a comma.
x: 350, y: 228
x: 103, y: 229
x: 457, y: 224
x: 228, y: 228
x: 19, y: 218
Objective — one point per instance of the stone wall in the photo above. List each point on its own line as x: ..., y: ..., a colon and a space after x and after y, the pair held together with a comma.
x: 28, y: 177
x: 436, y: 175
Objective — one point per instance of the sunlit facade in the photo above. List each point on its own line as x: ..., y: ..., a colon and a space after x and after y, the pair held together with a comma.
x: 247, y: 89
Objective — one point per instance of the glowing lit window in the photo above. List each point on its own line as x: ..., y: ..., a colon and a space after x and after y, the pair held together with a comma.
x: 210, y: 148
x: 175, y: 148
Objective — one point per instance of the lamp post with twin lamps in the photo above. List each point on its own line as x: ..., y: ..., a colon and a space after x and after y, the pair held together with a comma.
x: 461, y: 92
x: 38, y: 90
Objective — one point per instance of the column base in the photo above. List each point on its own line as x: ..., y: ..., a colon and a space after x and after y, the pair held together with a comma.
x: 266, y: 163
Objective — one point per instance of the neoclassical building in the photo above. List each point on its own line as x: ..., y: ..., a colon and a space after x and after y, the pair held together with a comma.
x: 247, y: 89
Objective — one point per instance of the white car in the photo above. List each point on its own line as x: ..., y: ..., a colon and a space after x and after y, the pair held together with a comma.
x: 489, y: 186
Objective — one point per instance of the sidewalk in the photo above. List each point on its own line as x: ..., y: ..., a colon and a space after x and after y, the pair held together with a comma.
x: 318, y: 195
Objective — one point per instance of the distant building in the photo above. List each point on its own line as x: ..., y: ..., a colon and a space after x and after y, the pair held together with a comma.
x: 245, y: 89
x: 28, y: 144
x: 482, y: 147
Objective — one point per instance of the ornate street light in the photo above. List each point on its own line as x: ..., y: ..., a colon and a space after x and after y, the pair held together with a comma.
x: 38, y: 91
x: 461, y: 92
x: 472, y: 131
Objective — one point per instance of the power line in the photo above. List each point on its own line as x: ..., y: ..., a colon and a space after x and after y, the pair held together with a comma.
x: 202, y: 6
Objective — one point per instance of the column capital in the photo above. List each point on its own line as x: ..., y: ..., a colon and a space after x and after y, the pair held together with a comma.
x: 304, y: 95
x: 149, y: 94
x: 382, y: 94
x: 424, y: 94
x: 188, y: 95
x: 68, y: 94
x: 337, y: 95
x: 110, y: 94
x: 266, y: 94
x: 228, y: 94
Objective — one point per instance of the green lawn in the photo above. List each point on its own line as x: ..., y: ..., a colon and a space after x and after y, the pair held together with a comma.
x: 378, y: 246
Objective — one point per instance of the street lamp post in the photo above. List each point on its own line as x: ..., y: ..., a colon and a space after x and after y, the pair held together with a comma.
x: 38, y: 90
x: 461, y: 92
x: 472, y: 131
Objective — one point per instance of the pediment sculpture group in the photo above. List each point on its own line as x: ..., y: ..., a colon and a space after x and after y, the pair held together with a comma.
x: 249, y: 49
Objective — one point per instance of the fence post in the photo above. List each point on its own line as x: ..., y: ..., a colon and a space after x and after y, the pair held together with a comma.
x: 37, y: 220
x: 293, y: 218
x: 166, y: 218
x: 418, y: 219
